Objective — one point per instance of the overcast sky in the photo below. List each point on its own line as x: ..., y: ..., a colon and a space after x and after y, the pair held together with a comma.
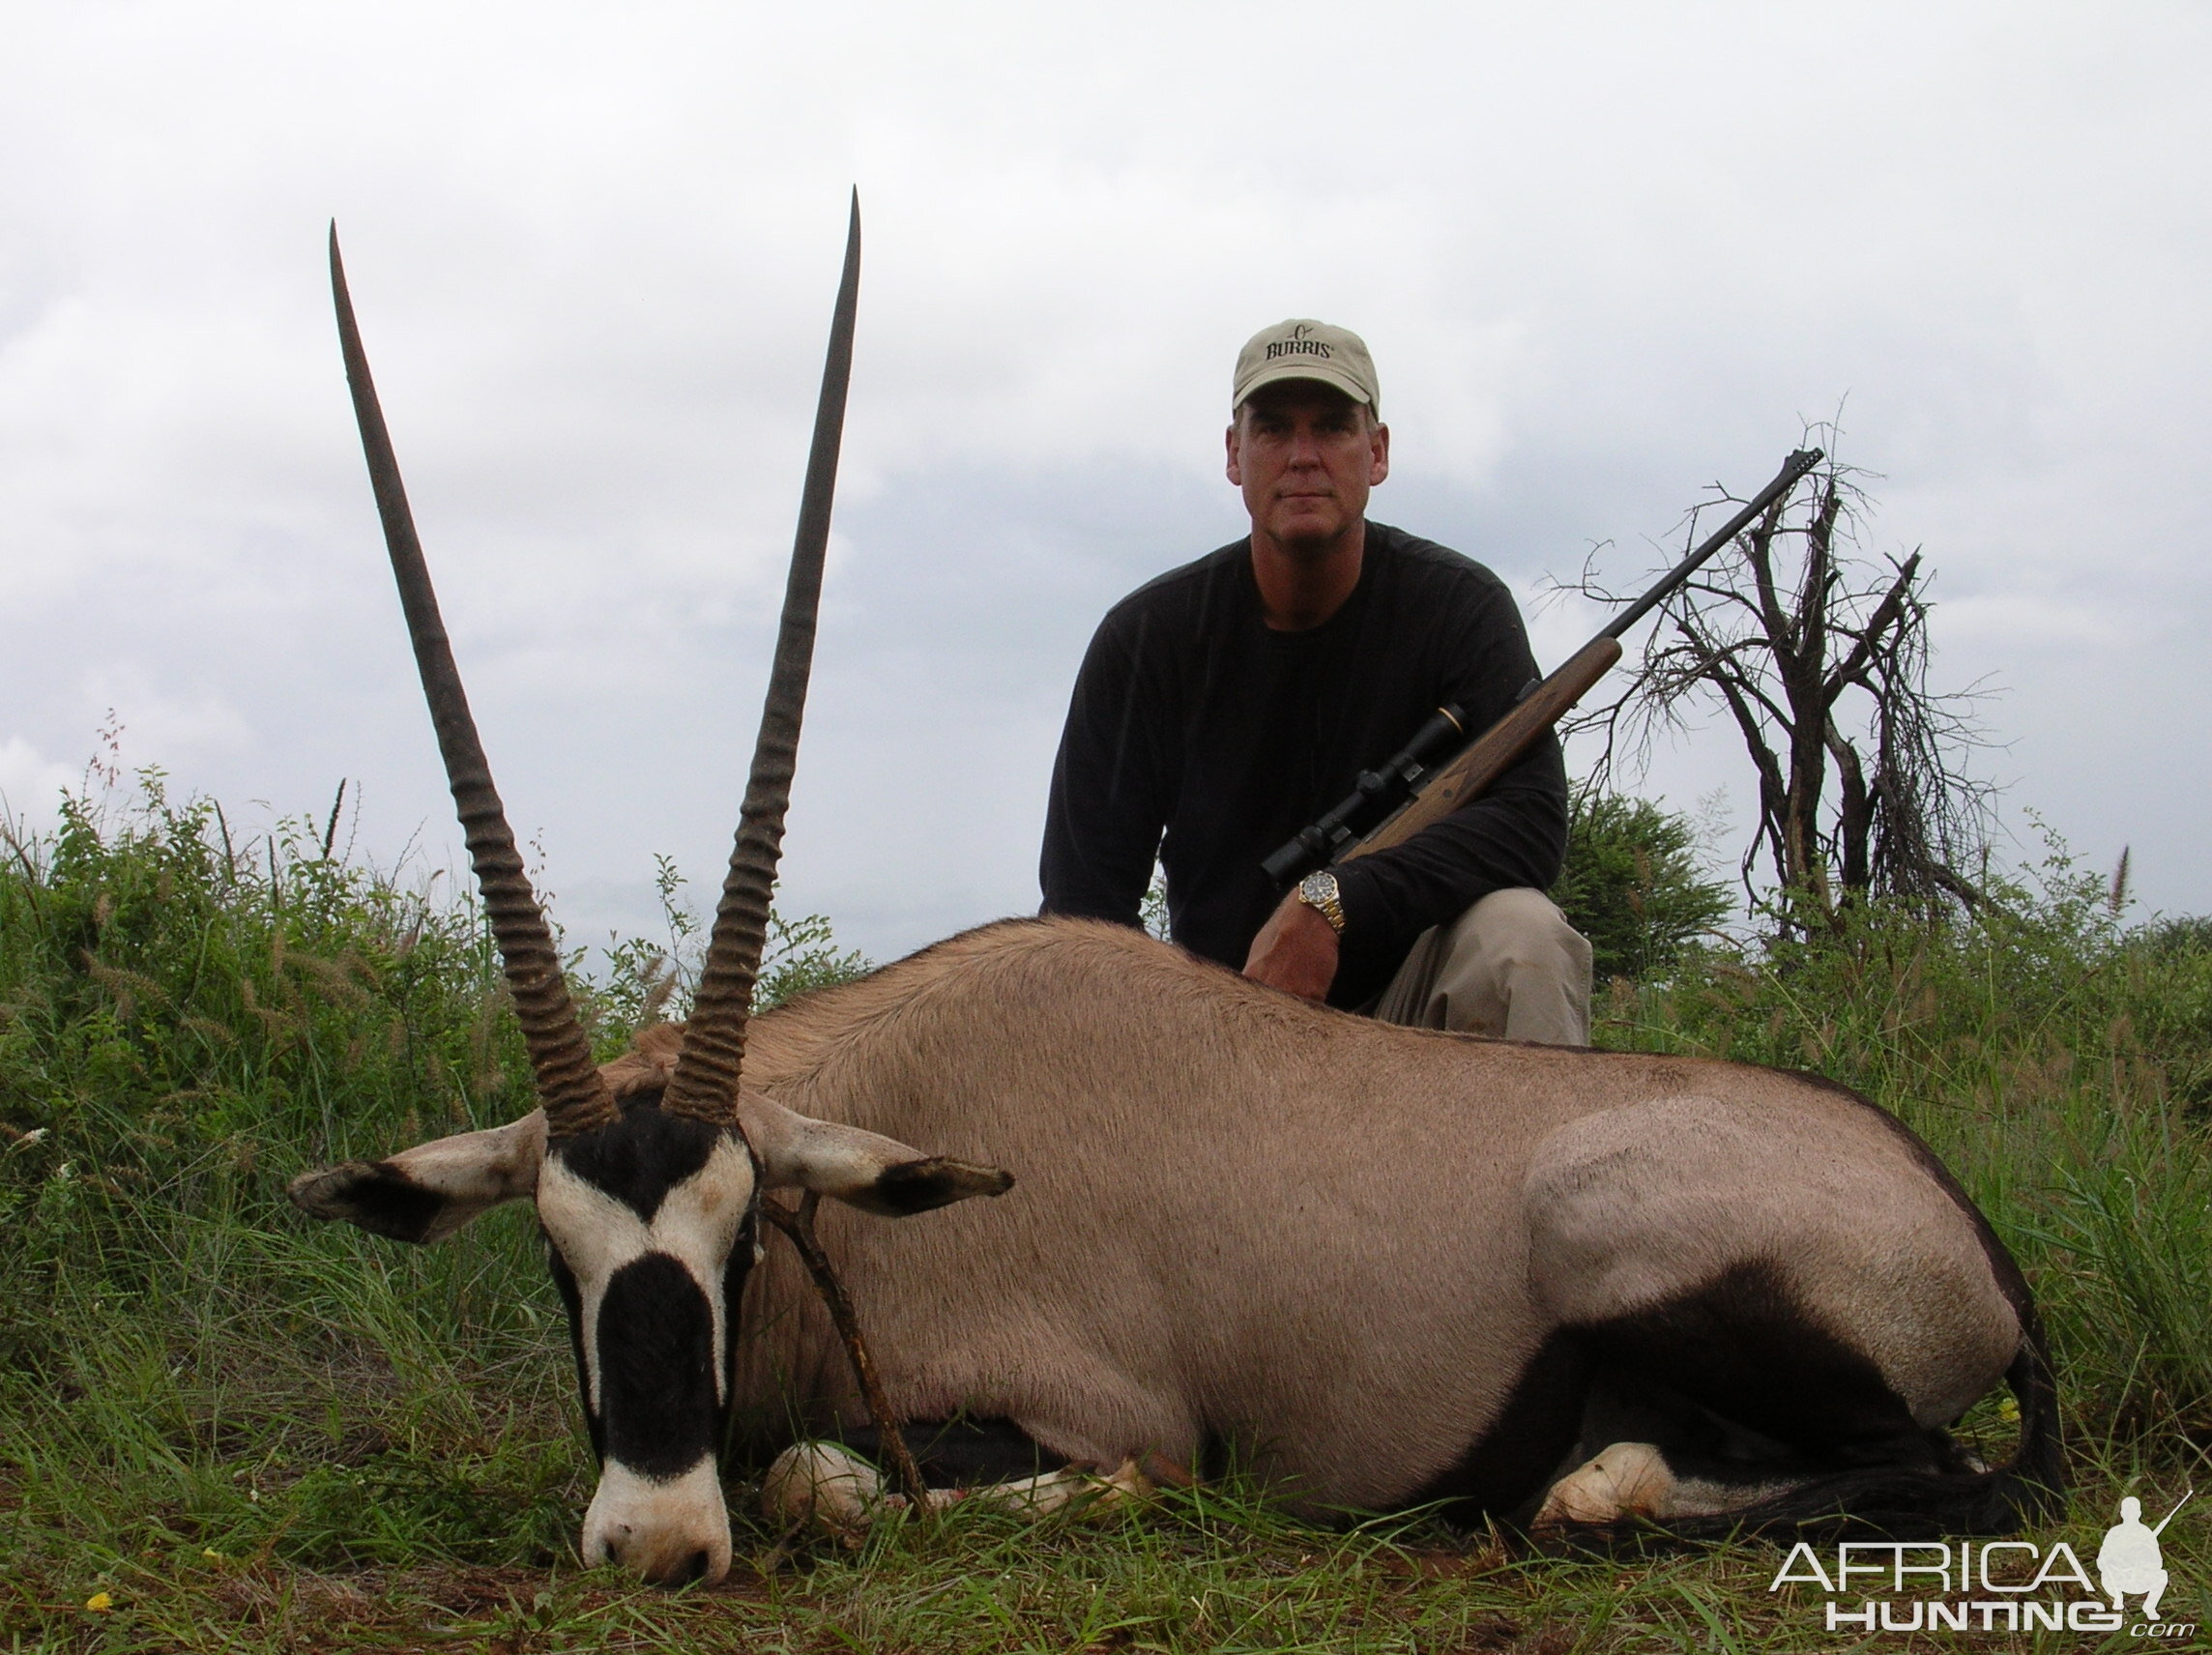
x: 1605, y: 255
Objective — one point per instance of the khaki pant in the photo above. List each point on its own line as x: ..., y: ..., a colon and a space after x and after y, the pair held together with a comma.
x: 1511, y: 964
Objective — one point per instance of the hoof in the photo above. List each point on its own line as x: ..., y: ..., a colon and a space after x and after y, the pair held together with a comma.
x: 821, y: 1483
x: 1629, y: 1479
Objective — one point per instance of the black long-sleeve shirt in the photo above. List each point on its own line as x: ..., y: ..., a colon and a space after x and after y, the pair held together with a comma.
x: 1200, y: 735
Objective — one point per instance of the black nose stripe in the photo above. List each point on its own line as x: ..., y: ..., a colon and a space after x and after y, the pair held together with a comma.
x: 655, y: 1340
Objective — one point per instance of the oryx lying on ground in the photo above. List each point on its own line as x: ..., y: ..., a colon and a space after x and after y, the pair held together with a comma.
x: 1381, y: 1265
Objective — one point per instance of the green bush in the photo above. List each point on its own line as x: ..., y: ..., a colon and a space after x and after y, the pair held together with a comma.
x: 1633, y: 885
x: 647, y: 980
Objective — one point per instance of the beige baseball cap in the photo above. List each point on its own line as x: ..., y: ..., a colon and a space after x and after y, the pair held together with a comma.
x: 1303, y: 348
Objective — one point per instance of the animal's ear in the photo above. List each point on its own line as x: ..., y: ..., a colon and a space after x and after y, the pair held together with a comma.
x: 426, y: 1193
x: 875, y: 1173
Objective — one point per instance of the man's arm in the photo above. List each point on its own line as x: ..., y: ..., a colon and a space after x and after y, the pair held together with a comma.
x: 1297, y: 951
x: 1465, y: 857
x: 1107, y: 807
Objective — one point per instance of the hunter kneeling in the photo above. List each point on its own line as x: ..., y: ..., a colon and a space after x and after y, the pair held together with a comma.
x: 1226, y: 704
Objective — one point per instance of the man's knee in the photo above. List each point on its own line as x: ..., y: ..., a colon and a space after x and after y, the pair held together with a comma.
x: 1510, y: 965
x: 1523, y: 943
x: 1521, y: 929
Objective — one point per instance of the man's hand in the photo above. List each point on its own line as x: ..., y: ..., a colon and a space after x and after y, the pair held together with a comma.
x: 1294, y: 950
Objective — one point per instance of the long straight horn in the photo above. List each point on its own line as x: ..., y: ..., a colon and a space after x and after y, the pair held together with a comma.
x: 576, y: 1100
x: 705, y: 1085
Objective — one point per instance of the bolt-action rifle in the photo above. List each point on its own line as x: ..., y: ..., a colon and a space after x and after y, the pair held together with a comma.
x: 1441, y: 790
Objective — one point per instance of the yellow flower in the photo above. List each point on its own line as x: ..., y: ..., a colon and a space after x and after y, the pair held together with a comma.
x: 100, y: 1603
x: 2008, y: 1411
x: 210, y: 1554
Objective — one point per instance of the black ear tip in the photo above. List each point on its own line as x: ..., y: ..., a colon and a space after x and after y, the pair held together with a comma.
x: 374, y: 1198
x: 323, y: 1192
x: 972, y: 1178
x: 918, y: 1187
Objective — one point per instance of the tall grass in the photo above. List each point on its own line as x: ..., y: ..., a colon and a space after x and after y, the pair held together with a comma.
x: 248, y: 1429
x: 187, y: 1019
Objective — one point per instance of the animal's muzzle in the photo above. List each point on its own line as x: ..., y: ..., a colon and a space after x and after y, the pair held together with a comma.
x: 669, y: 1530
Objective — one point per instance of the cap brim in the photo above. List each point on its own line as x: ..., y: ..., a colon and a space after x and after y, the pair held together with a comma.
x: 1306, y: 368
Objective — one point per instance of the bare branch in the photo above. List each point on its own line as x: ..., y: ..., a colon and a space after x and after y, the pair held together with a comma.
x: 1819, y: 657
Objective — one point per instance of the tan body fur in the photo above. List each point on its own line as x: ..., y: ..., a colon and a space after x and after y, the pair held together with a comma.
x: 1330, y: 1242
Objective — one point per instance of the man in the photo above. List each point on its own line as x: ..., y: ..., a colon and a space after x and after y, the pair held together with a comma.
x: 1226, y: 704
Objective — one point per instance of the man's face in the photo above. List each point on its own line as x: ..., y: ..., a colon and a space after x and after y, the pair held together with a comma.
x: 1305, y: 456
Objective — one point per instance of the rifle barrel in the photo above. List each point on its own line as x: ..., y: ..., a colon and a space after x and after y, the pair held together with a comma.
x: 1784, y: 480
x: 1484, y: 760
x: 2174, y: 1513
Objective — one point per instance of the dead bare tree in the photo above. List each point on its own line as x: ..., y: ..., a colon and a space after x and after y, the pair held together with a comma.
x: 1819, y: 654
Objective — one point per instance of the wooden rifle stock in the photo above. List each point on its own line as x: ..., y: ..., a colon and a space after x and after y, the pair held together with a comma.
x: 1494, y: 752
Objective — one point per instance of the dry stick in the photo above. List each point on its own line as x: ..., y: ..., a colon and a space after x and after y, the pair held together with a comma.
x: 799, y: 1227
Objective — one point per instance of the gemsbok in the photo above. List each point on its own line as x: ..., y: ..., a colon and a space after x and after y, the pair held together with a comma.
x: 1377, y: 1265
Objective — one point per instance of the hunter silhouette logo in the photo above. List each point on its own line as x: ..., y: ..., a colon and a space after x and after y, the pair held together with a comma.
x: 1995, y: 1586
x: 2130, y: 1561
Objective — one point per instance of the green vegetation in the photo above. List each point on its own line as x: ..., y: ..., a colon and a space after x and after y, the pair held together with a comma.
x: 1633, y: 885
x: 239, y: 1431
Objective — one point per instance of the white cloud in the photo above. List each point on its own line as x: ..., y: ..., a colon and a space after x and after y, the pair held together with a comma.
x: 1606, y: 254
x: 31, y: 785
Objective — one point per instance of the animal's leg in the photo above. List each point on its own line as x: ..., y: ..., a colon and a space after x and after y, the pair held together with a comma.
x: 963, y: 1452
x: 1730, y: 1396
x: 827, y: 1483
x: 1826, y: 1305
x: 1743, y: 1348
x: 1058, y: 1491
x: 1648, y: 1452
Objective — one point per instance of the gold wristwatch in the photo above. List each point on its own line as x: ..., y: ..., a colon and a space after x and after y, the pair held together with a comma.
x: 1318, y: 891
